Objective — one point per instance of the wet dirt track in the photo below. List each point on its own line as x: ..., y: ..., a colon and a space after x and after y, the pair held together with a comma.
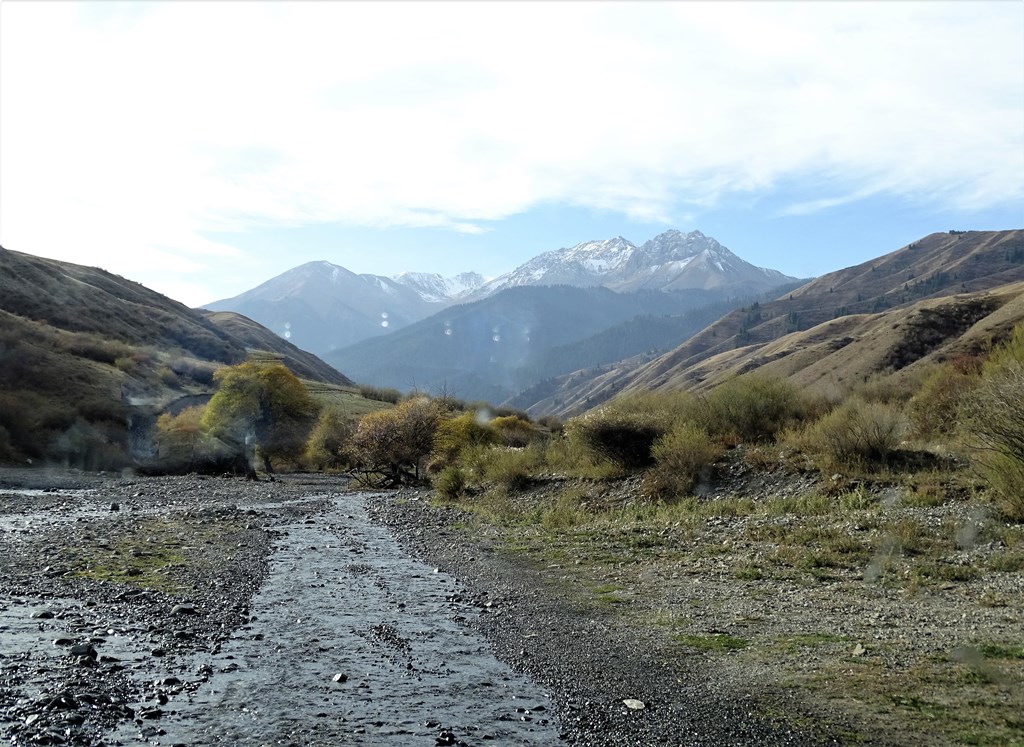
x: 352, y: 642
x: 344, y: 640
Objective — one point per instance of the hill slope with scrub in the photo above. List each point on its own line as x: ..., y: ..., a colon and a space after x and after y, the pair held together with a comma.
x: 87, y: 359
x: 935, y: 298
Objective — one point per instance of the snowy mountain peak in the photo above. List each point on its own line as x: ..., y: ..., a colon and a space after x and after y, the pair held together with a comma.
x: 436, y: 288
x: 672, y: 260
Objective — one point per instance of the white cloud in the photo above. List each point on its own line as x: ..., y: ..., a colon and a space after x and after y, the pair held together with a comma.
x: 130, y: 132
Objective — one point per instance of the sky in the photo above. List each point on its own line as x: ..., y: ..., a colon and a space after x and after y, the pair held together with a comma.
x: 201, y: 148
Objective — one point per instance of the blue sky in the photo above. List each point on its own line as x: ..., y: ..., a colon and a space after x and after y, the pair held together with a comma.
x: 202, y: 148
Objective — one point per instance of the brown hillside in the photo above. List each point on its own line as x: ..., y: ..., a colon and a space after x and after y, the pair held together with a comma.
x: 925, y: 301
x: 88, y: 360
x: 80, y: 299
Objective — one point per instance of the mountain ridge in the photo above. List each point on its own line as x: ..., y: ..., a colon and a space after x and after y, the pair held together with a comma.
x: 323, y: 307
x: 672, y: 260
x: 803, y: 322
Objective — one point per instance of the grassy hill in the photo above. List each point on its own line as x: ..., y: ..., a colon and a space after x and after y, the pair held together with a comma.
x: 88, y: 358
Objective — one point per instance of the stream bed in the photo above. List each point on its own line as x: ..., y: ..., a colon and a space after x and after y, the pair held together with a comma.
x: 346, y: 640
x: 353, y: 642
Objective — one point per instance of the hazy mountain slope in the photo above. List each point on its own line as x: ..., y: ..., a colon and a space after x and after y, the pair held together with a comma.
x: 321, y: 306
x: 833, y: 310
x: 486, y: 349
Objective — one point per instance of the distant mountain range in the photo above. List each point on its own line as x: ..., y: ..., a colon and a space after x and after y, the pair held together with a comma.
x: 323, y: 307
x: 943, y: 295
x: 492, y: 348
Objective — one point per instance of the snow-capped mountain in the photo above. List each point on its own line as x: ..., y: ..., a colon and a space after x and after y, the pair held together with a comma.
x: 672, y: 260
x: 439, y: 289
x: 320, y: 306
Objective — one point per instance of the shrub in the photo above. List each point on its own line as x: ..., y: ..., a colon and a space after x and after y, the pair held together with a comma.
x: 551, y: 423
x: 680, y: 456
x: 380, y: 394
x: 994, y: 413
x: 513, y: 430
x: 392, y: 444
x: 88, y: 446
x: 329, y: 442
x: 180, y: 437
x: 264, y: 403
x: 856, y: 434
x: 450, y: 484
x: 512, y: 469
x: 199, y: 371
x: 570, y: 458
x: 625, y: 439
x: 935, y: 409
x: 454, y: 435
x: 753, y: 407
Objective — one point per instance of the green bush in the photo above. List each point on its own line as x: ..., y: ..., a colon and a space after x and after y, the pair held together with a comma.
x: 570, y: 458
x: 391, y: 445
x: 680, y: 457
x: 513, y: 469
x: 995, y: 414
x: 514, y: 431
x: 754, y: 407
x: 856, y: 434
x: 623, y: 438
x: 329, y: 445
x: 935, y: 409
x: 455, y: 435
x: 380, y: 394
x: 450, y: 483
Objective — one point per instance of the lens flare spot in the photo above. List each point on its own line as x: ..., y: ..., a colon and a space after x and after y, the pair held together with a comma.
x: 384, y: 323
x: 287, y: 334
x: 496, y: 338
x: 383, y: 315
x: 448, y: 331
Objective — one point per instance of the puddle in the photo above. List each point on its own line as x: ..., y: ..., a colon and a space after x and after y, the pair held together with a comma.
x: 353, y: 642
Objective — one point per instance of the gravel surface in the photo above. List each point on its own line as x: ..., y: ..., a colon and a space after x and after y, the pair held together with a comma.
x: 591, y: 663
x: 215, y: 611
x: 196, y: 610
